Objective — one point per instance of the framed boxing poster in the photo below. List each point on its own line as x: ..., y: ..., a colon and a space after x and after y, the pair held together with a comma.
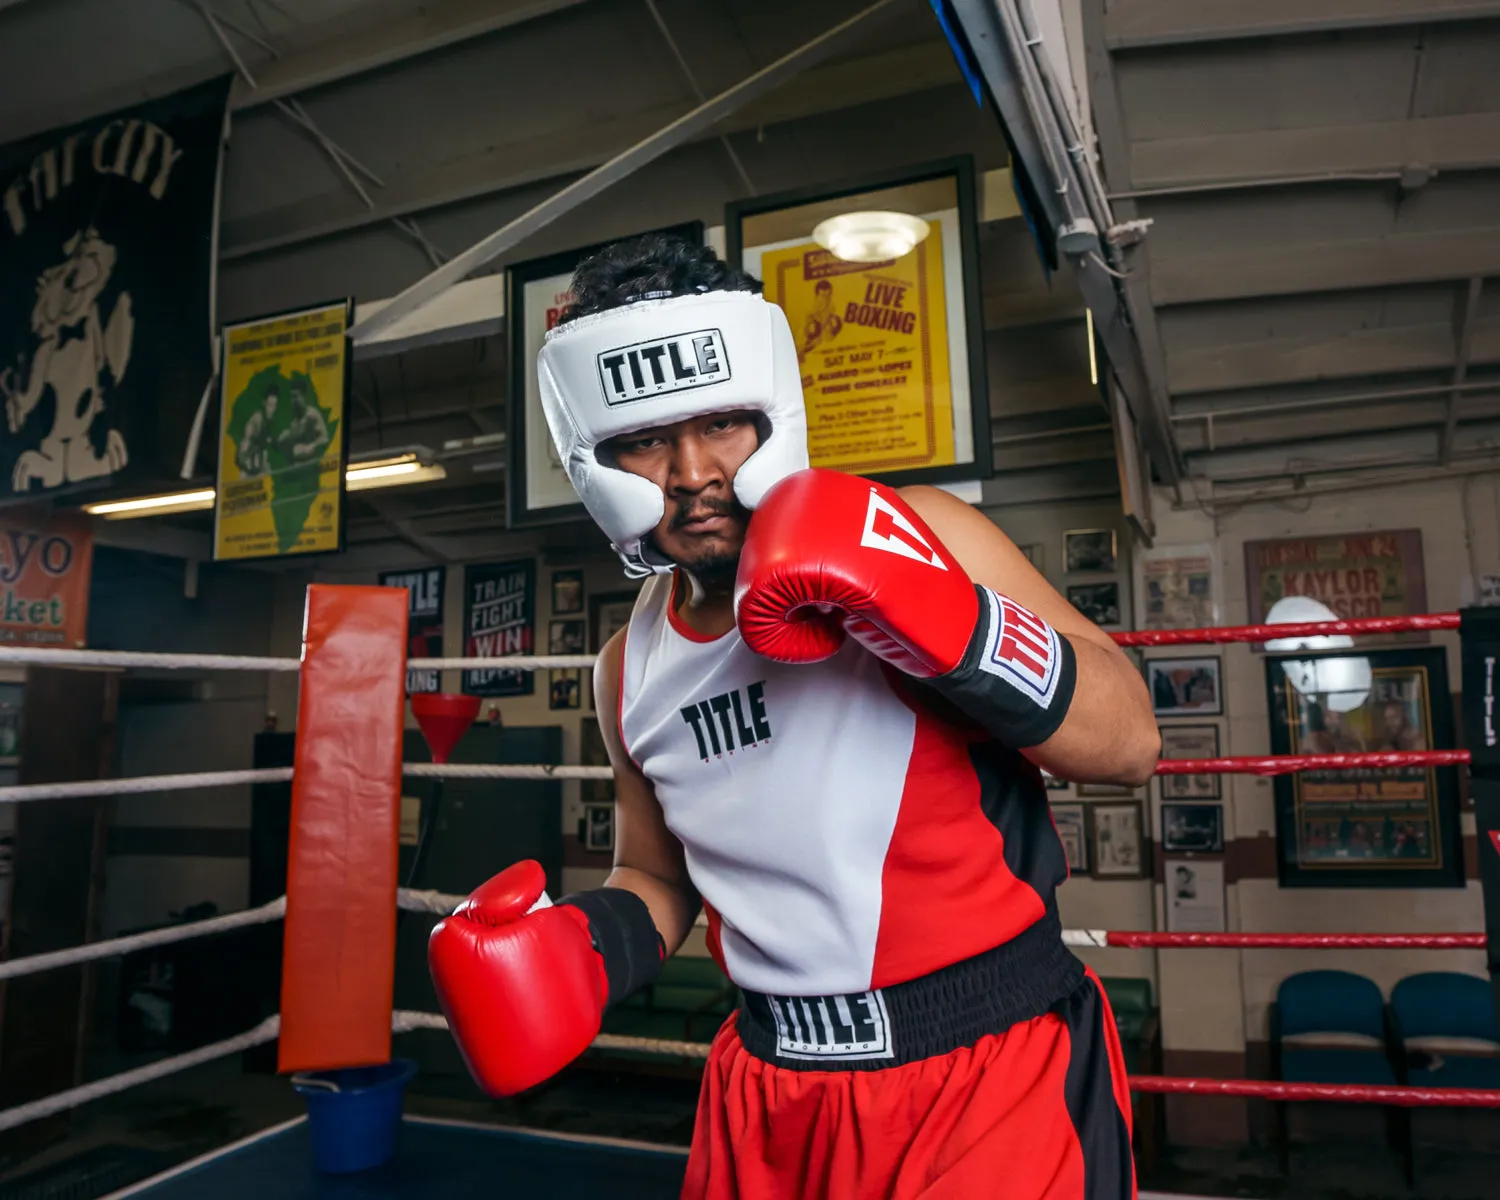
x: 886, y: 316
x: 1388, y: 827
x: 537, y: 488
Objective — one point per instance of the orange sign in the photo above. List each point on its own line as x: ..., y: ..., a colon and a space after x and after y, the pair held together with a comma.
x: 45, y: 567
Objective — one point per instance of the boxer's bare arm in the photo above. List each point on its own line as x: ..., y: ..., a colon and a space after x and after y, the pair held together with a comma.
x: 1110, y: 733
x: 649, y: 859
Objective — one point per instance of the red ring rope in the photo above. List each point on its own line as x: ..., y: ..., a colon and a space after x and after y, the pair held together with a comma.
x: 1138, y: 939
x: 1291, y: 629
x: 1349, y: 1093
x: 1282, y: 764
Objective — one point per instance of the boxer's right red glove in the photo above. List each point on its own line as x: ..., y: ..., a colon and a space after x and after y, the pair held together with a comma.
x: 525, y: 992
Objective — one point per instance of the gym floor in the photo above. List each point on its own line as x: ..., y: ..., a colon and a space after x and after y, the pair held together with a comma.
x: 120, y: 1140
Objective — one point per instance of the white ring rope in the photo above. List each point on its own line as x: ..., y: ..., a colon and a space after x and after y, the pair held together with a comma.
x: 136, y: 784
x: 267, y: 1031
x: 404, y: 1021
x: 143, y: 660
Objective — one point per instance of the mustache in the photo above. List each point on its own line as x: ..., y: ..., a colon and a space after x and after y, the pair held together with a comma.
x: 704, y: 506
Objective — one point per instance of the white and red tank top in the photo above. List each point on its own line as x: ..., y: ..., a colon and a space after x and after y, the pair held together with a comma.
x: 843, y: 834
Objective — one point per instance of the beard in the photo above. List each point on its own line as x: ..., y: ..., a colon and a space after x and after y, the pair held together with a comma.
x: 715, y: 565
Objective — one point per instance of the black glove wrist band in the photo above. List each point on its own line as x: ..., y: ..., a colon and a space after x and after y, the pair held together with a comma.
x: 1017, y: 675
x: 625, y: 937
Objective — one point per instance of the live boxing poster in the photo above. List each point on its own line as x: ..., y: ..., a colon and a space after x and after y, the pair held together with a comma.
x: 1376, y: 574
x: 424, y: 622
x: 888, y: 351
x: 1374, y: 827
x: 500, y: 622
x: 107, y: 256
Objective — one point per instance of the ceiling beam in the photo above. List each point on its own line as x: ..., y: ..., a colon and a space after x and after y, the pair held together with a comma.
x: 1397, y: 350
x: 1276, y: 427
x: 361, y: 45
x: 1154, y: 416
x: 1467, y: 142
x: 624, y: 164
x: 549, y: 156
x: 1139, y: 24
x: 1465, y: 315
x: 1291, y: 268
x: 337, y: 49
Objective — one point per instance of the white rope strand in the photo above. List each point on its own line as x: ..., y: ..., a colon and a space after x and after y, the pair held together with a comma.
x: 535, y: 662
x: 494, y: 771
x: 123, y: 659
x: 266, y: 1031
x: 1085, y: 937
x: 32, y: 963
x: 136, y: 784
x: 405, y: 1021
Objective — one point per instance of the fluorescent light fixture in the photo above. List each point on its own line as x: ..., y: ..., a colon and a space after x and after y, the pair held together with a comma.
x: 153, y: 506
x: 358, y: 477
x: 870, y: 236
x: 1088, y: 314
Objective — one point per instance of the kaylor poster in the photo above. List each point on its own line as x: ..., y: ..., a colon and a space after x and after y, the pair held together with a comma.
x: 282, y: 435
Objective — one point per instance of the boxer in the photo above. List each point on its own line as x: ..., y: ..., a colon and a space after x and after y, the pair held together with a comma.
x: 831, y: 708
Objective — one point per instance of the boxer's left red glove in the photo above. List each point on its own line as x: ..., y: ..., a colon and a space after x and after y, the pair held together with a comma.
x: 828, y: 555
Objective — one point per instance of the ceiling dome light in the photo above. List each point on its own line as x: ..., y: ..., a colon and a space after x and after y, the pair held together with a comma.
x: 870, y: 236
x: 1341, y: 683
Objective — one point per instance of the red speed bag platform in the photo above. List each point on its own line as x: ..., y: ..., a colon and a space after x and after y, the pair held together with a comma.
x: 444, y: 718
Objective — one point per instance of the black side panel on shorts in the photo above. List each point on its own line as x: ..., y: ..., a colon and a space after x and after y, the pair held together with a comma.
x: 1108, y: 1166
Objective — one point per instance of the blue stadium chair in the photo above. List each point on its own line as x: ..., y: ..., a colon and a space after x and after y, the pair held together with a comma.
x: 1334, y: 1003
x: 1446, y: 1004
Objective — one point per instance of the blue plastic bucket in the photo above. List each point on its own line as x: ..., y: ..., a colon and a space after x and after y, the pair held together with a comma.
x: 353, y: 1115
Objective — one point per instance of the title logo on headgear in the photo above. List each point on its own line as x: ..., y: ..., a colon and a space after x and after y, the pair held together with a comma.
x: 661, y: 365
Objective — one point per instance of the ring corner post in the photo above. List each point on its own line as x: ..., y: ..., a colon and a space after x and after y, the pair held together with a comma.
x: 340, y: 934
x: 1479, y: 636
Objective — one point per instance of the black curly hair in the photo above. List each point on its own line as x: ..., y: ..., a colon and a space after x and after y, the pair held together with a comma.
x: 653, y: 266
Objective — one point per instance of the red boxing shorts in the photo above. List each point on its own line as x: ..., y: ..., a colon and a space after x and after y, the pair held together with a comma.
x: 1040, y: 1111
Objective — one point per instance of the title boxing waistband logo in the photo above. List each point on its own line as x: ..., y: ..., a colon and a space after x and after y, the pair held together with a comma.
x: 662, y: 365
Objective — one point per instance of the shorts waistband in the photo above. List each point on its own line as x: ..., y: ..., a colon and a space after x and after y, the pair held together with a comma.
x: 922, y: 1018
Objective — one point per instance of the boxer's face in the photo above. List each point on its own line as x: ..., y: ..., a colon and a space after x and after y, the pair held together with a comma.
x: 694, y: 462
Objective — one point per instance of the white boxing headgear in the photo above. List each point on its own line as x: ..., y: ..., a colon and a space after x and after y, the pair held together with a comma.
x: 656, y: 362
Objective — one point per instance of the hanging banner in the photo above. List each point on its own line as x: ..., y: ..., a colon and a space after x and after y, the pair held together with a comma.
x: 107, y: 246
x: 872, y: 343
x: 46, y: 565
x: 424, y: 622
x: 499, y: 621
x: 283, y: 435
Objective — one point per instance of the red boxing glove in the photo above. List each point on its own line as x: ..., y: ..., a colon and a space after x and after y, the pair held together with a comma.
x: 828, y: 555
x: 525, y: 992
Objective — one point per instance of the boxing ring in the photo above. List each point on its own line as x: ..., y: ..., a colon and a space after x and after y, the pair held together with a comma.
x: 454, y: 1159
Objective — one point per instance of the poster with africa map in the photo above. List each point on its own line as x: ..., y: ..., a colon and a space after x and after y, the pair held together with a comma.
x: 282, y: 435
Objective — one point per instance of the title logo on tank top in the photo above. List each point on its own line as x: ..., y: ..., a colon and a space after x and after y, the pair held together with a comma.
x: 662, y: 365
x: 730, y: 721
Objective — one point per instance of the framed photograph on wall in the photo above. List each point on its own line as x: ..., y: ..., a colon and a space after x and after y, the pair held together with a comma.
x: 599, y: 827
x: 567, y: 592
x: 1393, y: 827
x: 1072, y: 827
x: 1190, y: 741
x: 565, y: 688
x: 592, y: 753
x: 609, y: 612
x: 1090, y: 550
x: 1186, y: 687
x: 1195, y: 895
x: 1192, y: 828
x: 1117, y: 839
x: 566, y: 637
x: 1099, y: 602
x: 1176, y: 587
x: 889, y: 332
x: 537, y: 489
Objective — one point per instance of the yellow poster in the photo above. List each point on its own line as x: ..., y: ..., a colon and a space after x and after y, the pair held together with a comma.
x: 282, y: 435
x: 872, y: 341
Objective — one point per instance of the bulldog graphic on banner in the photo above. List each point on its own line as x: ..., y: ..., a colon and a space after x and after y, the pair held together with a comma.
x: 106, y: 300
